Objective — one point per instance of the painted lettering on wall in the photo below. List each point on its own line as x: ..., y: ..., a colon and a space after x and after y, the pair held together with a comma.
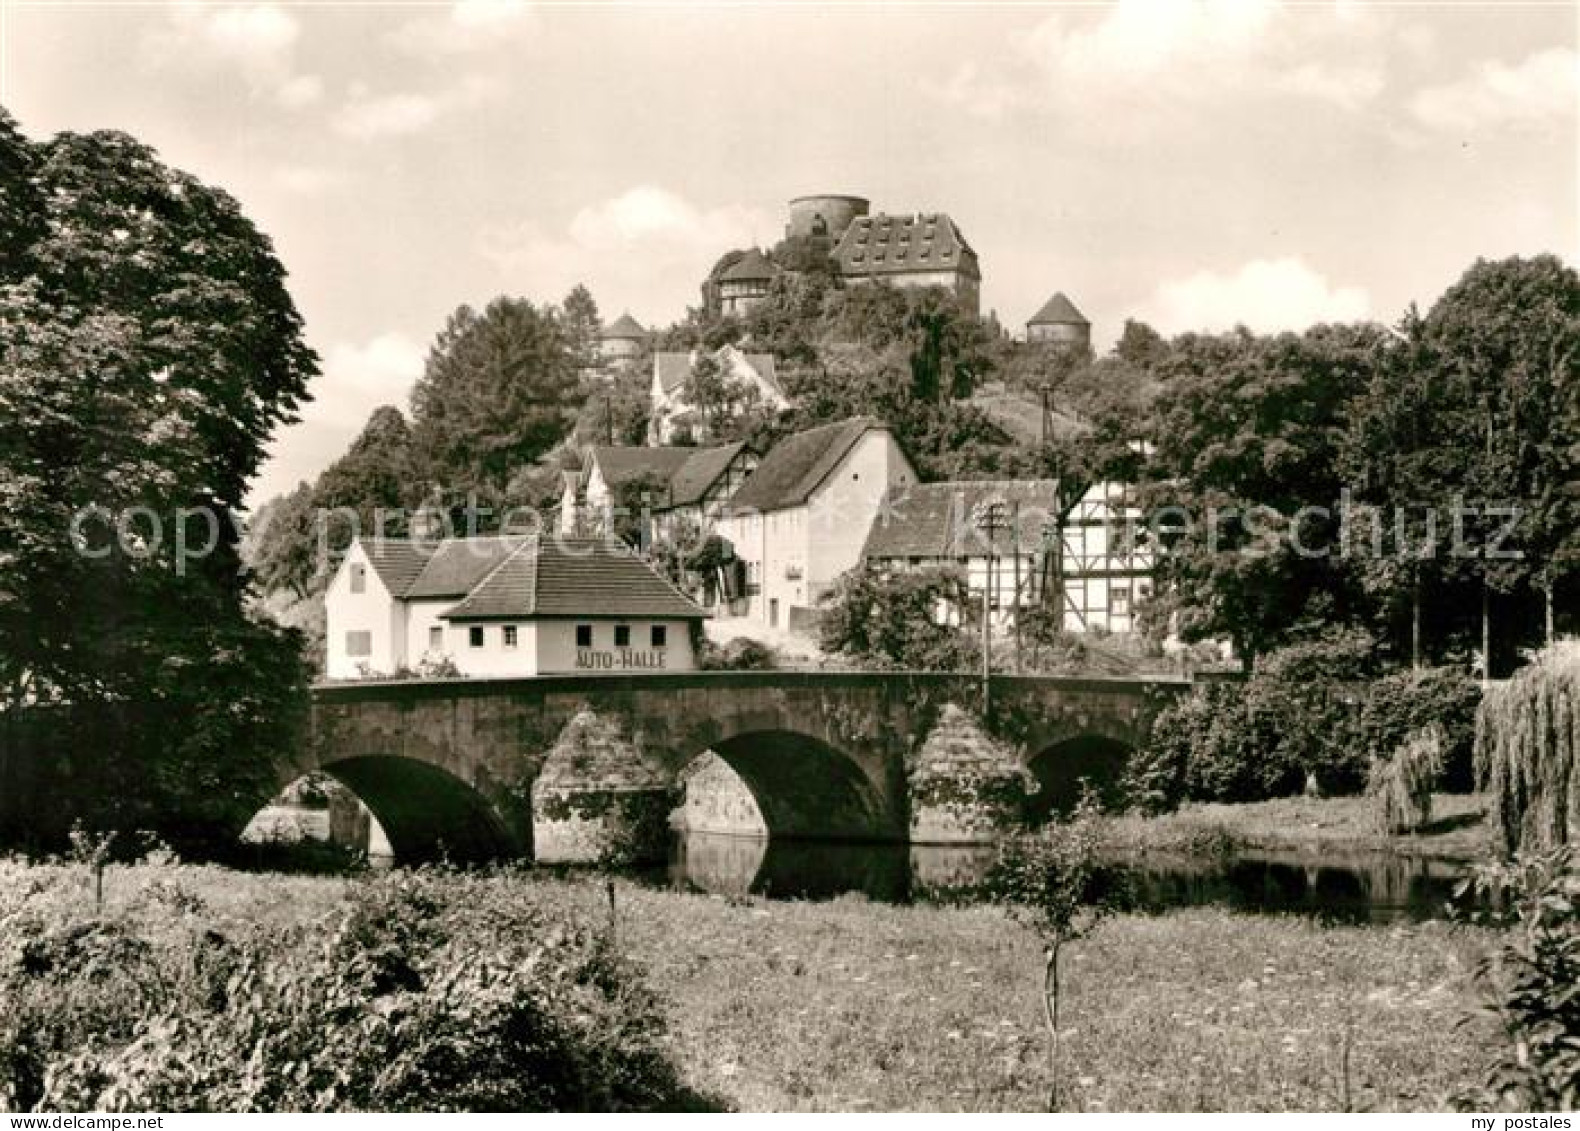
x: 618, y: 660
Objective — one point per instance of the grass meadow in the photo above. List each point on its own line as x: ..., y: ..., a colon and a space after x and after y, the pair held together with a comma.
x: 845, y: 1005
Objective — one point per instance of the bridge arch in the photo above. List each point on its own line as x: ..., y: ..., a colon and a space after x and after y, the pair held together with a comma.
x: 1060, y: 769
x: 427, y: 813
x: 806, y: 788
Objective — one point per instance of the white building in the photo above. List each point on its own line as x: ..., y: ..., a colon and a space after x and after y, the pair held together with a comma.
x: 800, y: 519
x: 674, y: 415
x: 1101, y: 570
x: 504, y: 606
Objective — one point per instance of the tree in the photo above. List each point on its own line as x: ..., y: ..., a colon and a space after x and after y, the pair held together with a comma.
x: 898, y: 620
x: 499, y: 390
x: 148, y: 348
x: 373, y: 482
x: 1244, y: 482
x: 583, y: 327
x: 281, y: 543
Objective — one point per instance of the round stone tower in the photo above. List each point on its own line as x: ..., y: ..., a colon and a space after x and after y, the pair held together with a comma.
x: 824, y: 215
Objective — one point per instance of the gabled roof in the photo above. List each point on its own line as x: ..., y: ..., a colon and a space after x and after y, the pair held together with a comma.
x: 1058, y: 311
x: 398, y: 562
x: 687, y: 473
x: 574, y: 577
x: 939, y: 520
x: 621, y: 465
x: 625, y: 327
x: 458, y: 564
x: 699, y: 473
x: 751, y: 267
x: 895, y: 245
x: 673, y: 368
x: 797, y: 465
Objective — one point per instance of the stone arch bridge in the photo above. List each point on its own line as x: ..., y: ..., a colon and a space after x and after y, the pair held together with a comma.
x: 580, y: 768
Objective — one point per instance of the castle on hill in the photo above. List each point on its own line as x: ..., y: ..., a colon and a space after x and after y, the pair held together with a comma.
x: 923, y: 249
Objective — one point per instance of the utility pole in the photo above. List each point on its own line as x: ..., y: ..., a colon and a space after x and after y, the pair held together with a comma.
x: 989, y: 518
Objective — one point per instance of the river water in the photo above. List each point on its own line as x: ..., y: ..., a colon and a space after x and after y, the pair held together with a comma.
x: 1354, y: 887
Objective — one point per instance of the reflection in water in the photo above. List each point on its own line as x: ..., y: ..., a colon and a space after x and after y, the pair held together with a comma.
x: 1372, y: 887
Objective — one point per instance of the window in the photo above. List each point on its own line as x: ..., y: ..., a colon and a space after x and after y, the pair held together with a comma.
x: 436, y: 638
x: 510, y: 636
x: 660, y: 636
x: 359, y: 579
x: 622, y: 636
x: 1119, y: 599
x: 475, y: 636
x: 584, y: 636
x: 359, y: 643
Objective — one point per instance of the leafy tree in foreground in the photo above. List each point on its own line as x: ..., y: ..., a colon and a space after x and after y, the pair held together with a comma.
x: 148, y: 348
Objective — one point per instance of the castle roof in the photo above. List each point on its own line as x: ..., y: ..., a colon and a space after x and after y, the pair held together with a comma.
x: 897, y: 245
x: 573, y: 577
x: 1058, y: 311
x: 798, y: 465
x: 625, y: 327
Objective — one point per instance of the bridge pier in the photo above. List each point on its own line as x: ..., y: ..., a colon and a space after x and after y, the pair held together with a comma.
x: 966, y: 787
x: 597, y: 799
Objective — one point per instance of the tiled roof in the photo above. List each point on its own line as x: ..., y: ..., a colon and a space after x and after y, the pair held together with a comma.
x: 939, y: 520
x: 621, y: 465
x: 694, y: 477
x: 397, y: 561
x: 796, y: 466
x: 1058, y: 311
x: 458, y: 564
x: 565, y: 577
x: 673, y: 368
x: 625, y: 327
x: 896, y: 245
x: 687, y: 472
x: 751, y: 267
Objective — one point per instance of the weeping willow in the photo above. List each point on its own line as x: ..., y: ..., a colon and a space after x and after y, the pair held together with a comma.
x: 1401, y: 786
x: 1527, y: 752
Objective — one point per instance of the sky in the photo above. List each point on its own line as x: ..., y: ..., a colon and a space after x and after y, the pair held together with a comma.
x: 1193, y: 163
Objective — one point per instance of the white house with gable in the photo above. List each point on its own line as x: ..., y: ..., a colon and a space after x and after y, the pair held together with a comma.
x: 504, y: 606
x: 801, y: 518
x: 674, y: 415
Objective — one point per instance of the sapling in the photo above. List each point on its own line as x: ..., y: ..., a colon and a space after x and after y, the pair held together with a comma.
x: 1056, y: 882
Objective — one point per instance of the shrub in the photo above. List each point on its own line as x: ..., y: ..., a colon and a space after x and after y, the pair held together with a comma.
x: 1401, y: 786
x: 742, y: 654
x: 1534, y: 983
x: 1296, y: 717
x: 1403, y: 702
x: 428, y: 991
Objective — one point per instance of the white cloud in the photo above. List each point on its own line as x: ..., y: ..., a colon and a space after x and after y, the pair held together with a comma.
x: 1265, y: 295
x: 1101, y: 68
x: 628, y: 249
x: 1541, y: 88
x: 256, y: 41
x: 357, y: 377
